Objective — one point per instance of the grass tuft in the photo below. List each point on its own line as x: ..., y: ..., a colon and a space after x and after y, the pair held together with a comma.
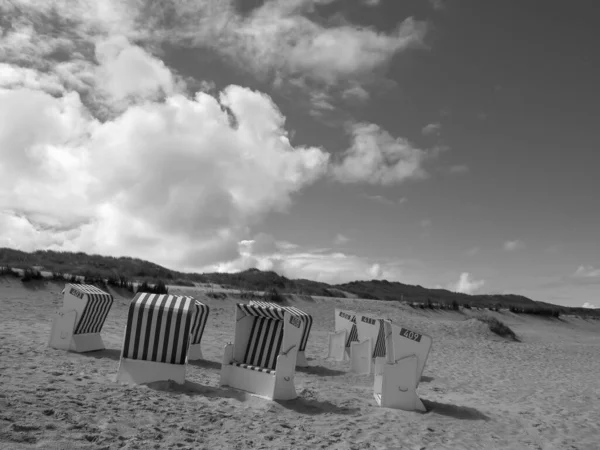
x: 498, y: 327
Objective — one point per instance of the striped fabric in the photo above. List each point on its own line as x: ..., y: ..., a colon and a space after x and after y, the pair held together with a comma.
x: 200, y: 319
x: 306, y: 319
x: 379, y: 350
x: 95, y: 310
x: 266, y: 335
x: 159, y: 327
x: 353, y: 335
x: 255, y: 368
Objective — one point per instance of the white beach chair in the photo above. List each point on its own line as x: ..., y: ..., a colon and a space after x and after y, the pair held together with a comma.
x: 262, y: 358
x: 370, y: 345
x: 307, y: 322
x: 398, y: 376
x: 157, y: 338
x: 195, y: 350
x: 77, y: 325
x: 344, y: 335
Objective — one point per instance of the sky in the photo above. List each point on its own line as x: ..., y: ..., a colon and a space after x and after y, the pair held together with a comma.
x: 450, y: 144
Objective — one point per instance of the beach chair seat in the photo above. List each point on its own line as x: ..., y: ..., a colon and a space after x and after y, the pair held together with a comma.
x: 77, y: 325
x: 197, y: 331
x: 262, y: 358
x: 307, y: 322
x: 398, y: 375
x: 346, y: 332
x: 157, y: 338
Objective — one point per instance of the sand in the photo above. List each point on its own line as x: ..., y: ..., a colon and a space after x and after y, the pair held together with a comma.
x: 482, y: 391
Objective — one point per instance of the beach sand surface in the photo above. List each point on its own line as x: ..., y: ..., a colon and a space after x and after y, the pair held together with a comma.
x: 481, y: 391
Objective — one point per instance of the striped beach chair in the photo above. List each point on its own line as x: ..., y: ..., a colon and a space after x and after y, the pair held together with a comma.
x: 346, y: 332
x: 195, y: 351
x: 398, y: 376
x: 307, y: 322
x: 371, y: 347
x: 157, y: 338
x: 77, y: 325
x: 262, y: 358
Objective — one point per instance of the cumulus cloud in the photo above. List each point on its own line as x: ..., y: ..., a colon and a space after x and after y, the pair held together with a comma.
x: 587, y: 272
x: 384, y: 200
x: 431, y: 129
x: 340, y: 239
x: 511, y: 246
x: 376, y: 157
x: 589, y: 305
x: 178, y: 181
x: 466, y: 284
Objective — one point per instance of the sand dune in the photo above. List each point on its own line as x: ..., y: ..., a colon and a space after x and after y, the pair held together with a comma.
x: 482, y: 391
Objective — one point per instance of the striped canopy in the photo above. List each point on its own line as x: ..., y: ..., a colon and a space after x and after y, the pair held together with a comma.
x: 200, y: 320
x: 306, y: 319
x: 159, y: 327
x: 95, y: 310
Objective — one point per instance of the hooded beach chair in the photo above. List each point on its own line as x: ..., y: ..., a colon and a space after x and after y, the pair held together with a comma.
x: 262, y: 358
x: 307, y: 322
x: 78, y: 324
x: 157, y: 338
x: 195, y: 351
x: 370, y: 346
x: 344, y: 335
x: 398, y: 376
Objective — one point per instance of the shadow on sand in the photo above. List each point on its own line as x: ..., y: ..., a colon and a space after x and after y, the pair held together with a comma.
x: 320, y: 371
x: 426, y: 379
x: 192, y: 389
x: 314, y: 407
x: 205, y: 364
x: 109, y: 353
x: 458, y: 412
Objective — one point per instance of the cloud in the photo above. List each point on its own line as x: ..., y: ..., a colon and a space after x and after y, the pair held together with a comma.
x: 472, y: 251
x: 431, y: 129
x: 177, y: 181
x: 589, y: 305
x: 438, y: 5
x: 340, y: 239
x: 587, y: 272
x: 458, y: 169
x: 315, y: 264
x: 384, y: 200
x: 355, y: 93
x: 375, y: 157
x: 511, y: 246
x: 371, y: 2
x: 466, y: 285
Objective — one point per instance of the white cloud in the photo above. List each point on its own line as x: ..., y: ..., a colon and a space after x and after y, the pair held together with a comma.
x: 587, y: 272
x: 473, y: 251
x: 384, y: 200
x: 355, y: 93
x: 466, y: 285
x: 372, y: 2
x: 169, y: 181
x: 431, y: 129
x: 589, y: 305
x: 320, y: 265
x: 458, y: 169
x: 375, y: 157
x: 340, y: 239
x: 511, y: 246
x: 438, y: 5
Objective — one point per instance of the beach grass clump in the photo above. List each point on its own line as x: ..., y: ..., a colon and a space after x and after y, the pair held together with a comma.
x: 498, y: 327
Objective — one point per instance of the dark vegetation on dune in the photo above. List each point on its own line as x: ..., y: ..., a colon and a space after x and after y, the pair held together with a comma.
x: 123, y: 271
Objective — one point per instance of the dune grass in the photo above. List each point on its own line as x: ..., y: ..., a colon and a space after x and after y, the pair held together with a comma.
x: 498, y: 327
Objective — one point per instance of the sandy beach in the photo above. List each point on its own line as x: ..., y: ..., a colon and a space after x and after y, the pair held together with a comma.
x: 482, y: 391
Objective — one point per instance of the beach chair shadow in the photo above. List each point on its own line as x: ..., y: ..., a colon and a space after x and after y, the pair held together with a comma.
x: 205, y: 364
x: 314, y: 407
x: 107, y: 353
x: 457, y: 412
x: 192, y: 389
x: 320, y: 371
